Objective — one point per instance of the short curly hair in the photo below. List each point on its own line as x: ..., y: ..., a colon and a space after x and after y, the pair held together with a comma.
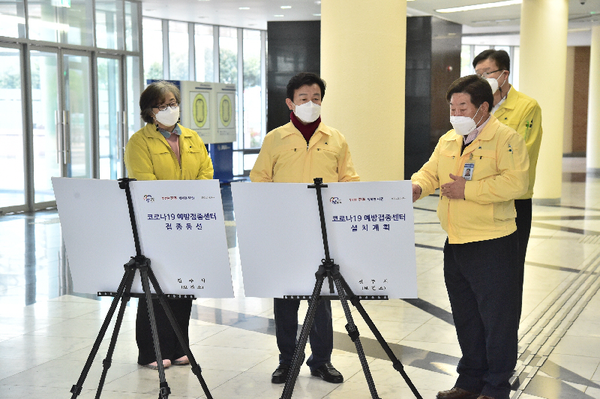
x: 155, y: 94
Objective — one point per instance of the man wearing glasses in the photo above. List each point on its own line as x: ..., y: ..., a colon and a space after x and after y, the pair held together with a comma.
x: 523, y: 114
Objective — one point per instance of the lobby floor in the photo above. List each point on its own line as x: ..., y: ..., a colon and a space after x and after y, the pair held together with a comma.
x: 47, y: 332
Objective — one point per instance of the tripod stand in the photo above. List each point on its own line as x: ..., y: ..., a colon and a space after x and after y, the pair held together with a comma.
x: 142, y: 264
x: 332, y: 271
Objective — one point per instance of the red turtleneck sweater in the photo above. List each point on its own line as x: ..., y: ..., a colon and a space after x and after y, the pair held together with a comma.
x: 306, y: 130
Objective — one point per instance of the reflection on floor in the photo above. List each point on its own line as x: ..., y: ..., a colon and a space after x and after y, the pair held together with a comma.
x: 46, y: 333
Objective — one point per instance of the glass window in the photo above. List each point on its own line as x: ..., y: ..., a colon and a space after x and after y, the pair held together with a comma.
x: 133, y: 95
x: 252, y: 90
x: 77, y: 17
x: 132, y: 23
x: 228, y: 55
x: 479, y: 48
x: 204, y: 44
x: 466, y: 67
x: 12, y: 19
x: 153, y: 49
x: 109, y: 24
x: 12, y: 175
x: 179, y: 51
x: 514, y: 70
x: 64, y: 21
x: 43, y: 22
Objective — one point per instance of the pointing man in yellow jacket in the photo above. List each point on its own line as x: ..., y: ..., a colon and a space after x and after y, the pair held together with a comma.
x: 476, y: 209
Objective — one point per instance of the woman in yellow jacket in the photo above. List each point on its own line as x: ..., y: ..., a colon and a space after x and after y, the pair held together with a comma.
x: 480, y: 166
x: 164, y: 150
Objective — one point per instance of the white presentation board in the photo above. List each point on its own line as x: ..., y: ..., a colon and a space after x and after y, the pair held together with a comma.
x: 180, y: 226
x: 370, y: 230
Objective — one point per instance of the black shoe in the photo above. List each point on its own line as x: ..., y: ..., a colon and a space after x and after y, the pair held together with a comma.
x: 328, y: 373
x: 280, y: 374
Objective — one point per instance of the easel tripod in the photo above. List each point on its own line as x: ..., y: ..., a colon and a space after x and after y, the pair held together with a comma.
x: 142, y: 264
x: 332, y: 271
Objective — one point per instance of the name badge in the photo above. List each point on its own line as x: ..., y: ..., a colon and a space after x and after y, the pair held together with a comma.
x: 468, y: 171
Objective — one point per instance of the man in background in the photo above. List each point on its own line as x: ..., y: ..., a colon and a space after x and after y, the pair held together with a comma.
x: 523, y: 114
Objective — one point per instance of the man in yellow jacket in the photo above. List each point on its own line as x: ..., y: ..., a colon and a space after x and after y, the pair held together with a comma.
x: 476, y: 209
x: 523, y: 114
x: 299, y: 152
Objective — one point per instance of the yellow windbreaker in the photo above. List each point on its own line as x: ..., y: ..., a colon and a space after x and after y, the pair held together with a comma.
x: 500, y: 174
x: 524, y: 114
x: 148, y: 156
x: 286, y: 158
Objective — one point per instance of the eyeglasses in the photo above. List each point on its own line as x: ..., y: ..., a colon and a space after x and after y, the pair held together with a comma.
x: 486, y: 74
x: 173, y: 105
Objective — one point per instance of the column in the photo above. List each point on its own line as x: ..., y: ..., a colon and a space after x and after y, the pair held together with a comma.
x: 593, y: 126
x: 363, y: 56
x: 542, y: 69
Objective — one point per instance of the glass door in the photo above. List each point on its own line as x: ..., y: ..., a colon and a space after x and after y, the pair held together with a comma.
x: 111, y: 118
x: 46, y: 123
x: 62, y: 119
x: 76, y: 116
x: 12, y: 165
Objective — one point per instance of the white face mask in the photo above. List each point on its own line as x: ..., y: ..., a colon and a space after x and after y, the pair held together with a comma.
x: 464, y: 125
x: 307, y: 112
x: 494, y: 83
x: 168, y: 117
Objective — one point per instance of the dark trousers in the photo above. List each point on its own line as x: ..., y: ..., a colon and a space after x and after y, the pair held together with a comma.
x: 524, y: 213
x: 286, y: 329
x: 482, y: 279
x: 169, y: 344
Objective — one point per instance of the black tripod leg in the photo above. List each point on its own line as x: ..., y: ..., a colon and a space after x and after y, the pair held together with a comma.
x: 164, y: 387
x: 395, y: 361
x: 125, y: 283
x: 298, y: 357
x: 113, y: 341
x: 354, y: 335
x: 185, y: 345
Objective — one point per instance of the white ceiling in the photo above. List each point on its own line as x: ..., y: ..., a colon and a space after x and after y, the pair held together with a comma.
x: 228, y: 13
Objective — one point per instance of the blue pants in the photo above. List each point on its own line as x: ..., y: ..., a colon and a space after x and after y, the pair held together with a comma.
x: 484, y: 287
x: 286, y: 329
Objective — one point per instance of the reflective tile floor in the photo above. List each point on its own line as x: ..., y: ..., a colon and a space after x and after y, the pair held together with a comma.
x: 47, y: 333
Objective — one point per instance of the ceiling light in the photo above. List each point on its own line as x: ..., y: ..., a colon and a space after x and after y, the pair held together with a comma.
x: 480, y: 6
x: 278, y: 16
x: 316, y: 15
x: 244, y: 8
x: 286, y: 7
